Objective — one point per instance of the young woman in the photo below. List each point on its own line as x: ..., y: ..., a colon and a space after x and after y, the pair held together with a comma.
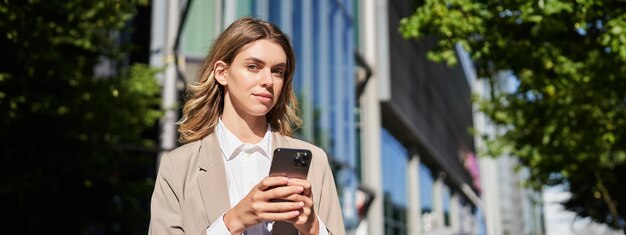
x: 242, y: 108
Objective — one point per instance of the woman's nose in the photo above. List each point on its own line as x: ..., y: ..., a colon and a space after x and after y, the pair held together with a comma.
x: 267, y: 79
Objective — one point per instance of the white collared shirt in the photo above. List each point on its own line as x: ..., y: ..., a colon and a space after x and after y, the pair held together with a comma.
x: 246, y: 165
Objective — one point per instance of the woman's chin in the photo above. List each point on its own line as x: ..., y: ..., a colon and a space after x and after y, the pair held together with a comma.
x: 259, y: 111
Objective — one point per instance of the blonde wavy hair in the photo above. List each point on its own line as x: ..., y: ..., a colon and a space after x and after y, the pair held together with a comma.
x: 205, y: 97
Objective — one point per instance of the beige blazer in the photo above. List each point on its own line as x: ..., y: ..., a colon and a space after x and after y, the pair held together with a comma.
x: 191, y: 189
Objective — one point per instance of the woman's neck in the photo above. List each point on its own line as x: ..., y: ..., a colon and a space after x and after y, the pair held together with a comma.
x: 249, y: 129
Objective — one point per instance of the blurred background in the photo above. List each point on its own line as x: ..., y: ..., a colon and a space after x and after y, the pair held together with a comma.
x: 438, y: 116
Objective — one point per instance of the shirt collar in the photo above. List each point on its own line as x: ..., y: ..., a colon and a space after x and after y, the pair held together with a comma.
x: 231, y: 145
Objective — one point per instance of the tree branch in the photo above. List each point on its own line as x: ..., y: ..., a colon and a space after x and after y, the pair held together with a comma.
x: 608, y: 200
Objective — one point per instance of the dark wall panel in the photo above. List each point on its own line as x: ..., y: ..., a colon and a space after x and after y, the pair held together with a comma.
x: 430, y: 106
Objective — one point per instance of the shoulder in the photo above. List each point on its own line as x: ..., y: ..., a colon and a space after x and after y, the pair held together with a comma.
x: 182, y: 158
x: 185, y: 151
x: 298, y: 143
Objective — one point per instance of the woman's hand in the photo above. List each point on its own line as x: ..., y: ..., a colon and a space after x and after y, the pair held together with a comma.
x: 256, y: 206
x: 306, y: 222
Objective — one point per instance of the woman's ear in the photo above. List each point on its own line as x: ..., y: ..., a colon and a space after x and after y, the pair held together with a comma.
x: 220, y: 72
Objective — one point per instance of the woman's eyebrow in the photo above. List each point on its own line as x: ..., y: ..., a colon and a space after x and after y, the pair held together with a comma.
x: 255, y: 60
x: 261, y: 62
x: 282, y: 65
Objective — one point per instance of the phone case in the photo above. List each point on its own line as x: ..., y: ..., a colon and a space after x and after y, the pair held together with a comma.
x: 292, y: 163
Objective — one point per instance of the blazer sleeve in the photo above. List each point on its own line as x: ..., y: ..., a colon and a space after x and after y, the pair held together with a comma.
x: 165, y: 208
x: 329, y: 208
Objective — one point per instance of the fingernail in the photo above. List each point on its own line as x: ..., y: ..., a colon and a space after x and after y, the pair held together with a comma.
x: 300, y: 189
x: 300, y: 204
x: 295, y: 212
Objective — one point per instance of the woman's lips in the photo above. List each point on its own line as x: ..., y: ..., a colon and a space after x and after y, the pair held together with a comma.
x: 264, y: 96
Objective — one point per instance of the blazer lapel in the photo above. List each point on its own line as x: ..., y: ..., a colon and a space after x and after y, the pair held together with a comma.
x: 212, y: 178
x: 278, y: 141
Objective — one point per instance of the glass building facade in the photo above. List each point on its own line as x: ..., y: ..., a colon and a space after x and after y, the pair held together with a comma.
x: 322, y: 34
x: 394, y: 164
x: 426, y: 198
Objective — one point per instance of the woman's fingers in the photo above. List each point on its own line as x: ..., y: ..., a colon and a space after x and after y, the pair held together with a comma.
x: 303, y: 216
x: 301, y: 182
x: 281, y: 193
x: 278, y: 207
x: 280, y: 198
x: 306, y: 217
x: 271, y: 182
x: 274, y: 198
x: 282, y: 216
x: 278, y: 210
x: 308, y: 202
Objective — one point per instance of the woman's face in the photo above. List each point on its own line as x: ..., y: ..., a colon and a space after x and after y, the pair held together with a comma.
x: 254, y: 80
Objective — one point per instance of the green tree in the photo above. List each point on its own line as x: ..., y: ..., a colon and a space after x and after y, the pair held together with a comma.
x: 566, y: 119
x: 69, y: 140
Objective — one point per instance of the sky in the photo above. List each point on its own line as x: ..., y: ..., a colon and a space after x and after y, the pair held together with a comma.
x: 558, y: 221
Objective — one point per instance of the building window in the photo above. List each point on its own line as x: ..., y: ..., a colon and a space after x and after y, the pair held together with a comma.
x: 446, y: 205
x: 245, y: 8
x: 394, y: 162
x: 426, y: 198
x: 199, y: 30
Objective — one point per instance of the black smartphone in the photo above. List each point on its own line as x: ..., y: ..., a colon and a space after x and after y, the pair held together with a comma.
x: 292, y: 163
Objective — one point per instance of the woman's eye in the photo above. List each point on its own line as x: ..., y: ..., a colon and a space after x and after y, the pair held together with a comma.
x: 253, y: 67
x: 278, y: 72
